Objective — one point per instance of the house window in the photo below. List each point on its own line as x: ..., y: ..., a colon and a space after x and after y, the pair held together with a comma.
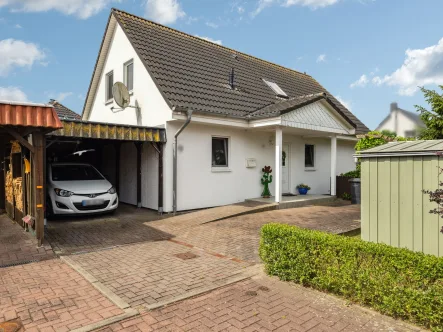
x: 129, y: 75
x: 219, y: 152
x: 309, y: 155
x: 109, y: 84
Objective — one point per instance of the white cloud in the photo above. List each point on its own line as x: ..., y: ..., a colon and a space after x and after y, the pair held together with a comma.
x: 18, y: 26
x: 361, y: 82
x: 345, y: 103
x: 80, y: 8
x: 164, y: 11
x: 421, y: 67
x: 218, y: 42
x: 63, y: 95
x: 212, y: 25
x: 58, y: 96
x: 12, y: 93
x: 321, y: 58
x: 17, y: 53
x: 313, y: 4
x: 240, y: 9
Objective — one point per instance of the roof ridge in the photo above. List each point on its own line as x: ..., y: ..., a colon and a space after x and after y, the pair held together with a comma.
x: 211, y: 43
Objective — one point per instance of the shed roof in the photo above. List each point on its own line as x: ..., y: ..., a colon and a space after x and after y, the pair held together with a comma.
x: 429, y: 147
x: 25, y: 114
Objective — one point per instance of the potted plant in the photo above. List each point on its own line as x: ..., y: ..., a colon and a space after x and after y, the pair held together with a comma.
x: 303, y: 189
x: 266, y: 180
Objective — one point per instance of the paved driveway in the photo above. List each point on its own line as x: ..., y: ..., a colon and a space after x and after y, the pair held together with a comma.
x: 239, y: 236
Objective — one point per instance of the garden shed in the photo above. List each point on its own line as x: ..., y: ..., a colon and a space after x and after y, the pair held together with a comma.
x: 394, y: 208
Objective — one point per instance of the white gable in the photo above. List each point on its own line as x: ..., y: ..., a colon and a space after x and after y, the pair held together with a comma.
x: 317, y: 116
x: 118, y: 51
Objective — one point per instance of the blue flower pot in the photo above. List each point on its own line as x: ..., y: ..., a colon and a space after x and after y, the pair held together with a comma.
x: 302, y: 191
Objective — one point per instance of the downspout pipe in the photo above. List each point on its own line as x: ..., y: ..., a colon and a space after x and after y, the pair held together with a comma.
x: 174, y: 147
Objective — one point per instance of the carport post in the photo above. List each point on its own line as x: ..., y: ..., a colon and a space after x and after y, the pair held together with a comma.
x: 139, y: 147
x: 38, y: 140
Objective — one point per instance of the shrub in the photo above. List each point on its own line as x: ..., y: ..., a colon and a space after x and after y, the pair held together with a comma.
x: 303, y: 186
x: 397, y: 282
x: 352, y: 174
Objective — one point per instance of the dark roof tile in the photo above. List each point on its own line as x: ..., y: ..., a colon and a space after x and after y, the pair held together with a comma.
x: 192, y: 72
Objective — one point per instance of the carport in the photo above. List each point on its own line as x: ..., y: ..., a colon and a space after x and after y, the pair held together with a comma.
x: 130, y: 157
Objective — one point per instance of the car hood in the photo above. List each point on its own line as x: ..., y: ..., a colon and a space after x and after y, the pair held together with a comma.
x: 84, y: 187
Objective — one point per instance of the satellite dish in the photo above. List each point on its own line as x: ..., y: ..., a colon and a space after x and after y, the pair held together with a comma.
x: 121, y: 94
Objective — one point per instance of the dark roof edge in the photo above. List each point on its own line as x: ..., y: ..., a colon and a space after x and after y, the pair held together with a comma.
x: 141, y: 58
x: 211, y: 43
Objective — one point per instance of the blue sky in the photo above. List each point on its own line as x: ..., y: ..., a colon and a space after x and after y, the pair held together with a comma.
x: 368, y: 53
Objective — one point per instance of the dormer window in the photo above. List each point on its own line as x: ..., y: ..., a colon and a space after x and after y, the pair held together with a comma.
x: 277, y: 90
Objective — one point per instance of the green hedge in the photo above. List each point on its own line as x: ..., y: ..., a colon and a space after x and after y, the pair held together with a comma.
x: 396, y: 282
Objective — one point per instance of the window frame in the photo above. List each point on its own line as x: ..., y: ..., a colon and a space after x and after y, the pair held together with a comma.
x: 108, y: 100
x: 310, y: 168
x: 222, y: 168
x: 125, y: 74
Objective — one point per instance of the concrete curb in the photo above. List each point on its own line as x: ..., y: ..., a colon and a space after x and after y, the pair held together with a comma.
x: 128, y: 313
x: 248, y: 273
x: 118, y: 301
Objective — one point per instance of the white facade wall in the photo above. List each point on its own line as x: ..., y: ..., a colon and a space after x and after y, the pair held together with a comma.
x: 149, y: 177
x: 200, y: 186
x: 128, y: 173
x: 154, y: 109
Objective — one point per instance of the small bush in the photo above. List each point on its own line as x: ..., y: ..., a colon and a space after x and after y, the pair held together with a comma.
x: 352, y: 174
x: 397, y: 282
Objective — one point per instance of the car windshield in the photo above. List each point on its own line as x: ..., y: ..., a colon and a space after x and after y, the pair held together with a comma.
x: 75, y: 173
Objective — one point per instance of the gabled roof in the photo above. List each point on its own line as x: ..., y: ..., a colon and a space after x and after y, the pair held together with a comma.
x: 63, y: 112
x: 194, y: 73
x: 414, y: 117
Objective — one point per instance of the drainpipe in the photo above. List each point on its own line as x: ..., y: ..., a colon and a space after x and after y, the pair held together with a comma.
x: 174, y: 148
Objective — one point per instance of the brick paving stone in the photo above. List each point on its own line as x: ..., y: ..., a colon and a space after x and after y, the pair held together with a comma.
x: 50, y: 296
x: 239, y: 236
x: 18, y: 246
x: 150, y: 273
x: 228, y: 302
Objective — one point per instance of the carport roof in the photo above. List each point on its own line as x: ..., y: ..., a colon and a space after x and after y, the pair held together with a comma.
x: 109, y: 131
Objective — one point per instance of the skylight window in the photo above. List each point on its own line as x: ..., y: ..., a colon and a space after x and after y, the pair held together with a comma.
x: 277, y: 90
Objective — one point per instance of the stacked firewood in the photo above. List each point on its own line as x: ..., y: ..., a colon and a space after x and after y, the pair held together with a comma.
x: 18, y: 193
x: 9, y: 190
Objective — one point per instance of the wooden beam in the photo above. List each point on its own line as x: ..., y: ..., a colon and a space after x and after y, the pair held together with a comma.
x: 38, y: 185
x: 139, y: 147
x: 19, y: 138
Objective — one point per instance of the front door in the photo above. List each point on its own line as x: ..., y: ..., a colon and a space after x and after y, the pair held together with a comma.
x: 285, y: 169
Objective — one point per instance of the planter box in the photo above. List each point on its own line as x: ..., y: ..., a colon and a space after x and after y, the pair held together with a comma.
x: 342, y: 186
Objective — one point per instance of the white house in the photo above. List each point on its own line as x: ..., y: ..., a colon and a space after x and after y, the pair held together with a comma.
x: 403, y: 123
x: 236, y: 113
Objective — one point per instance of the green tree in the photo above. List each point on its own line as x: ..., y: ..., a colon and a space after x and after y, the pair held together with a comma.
x: 433, y: 119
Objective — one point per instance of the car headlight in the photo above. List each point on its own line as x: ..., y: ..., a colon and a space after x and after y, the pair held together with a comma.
x: 112, y: 190
x: 63, y: 193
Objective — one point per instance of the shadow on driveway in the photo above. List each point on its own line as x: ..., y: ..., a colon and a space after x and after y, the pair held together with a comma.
x: 69, y: 235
